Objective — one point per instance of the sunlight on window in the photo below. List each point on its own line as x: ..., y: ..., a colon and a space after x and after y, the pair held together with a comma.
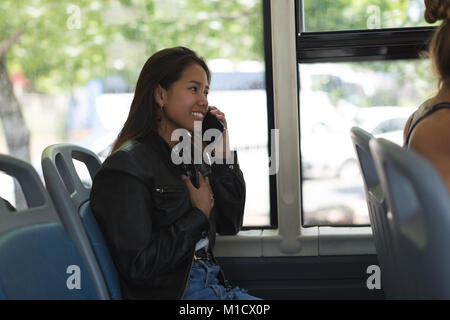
x: 73, y: 67
x: 376, y: 96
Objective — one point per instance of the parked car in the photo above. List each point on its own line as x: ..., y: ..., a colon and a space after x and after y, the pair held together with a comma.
x: 336, y: 155
x: 384, y: 122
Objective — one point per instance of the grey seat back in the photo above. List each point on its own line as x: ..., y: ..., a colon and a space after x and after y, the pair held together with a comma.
x: 420, y: 206
x: 38, y: 260
x: 379, y: 219
x: 71, y: 198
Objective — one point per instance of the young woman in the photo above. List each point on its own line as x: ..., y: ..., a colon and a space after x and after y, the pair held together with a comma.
x: 427, y: 131
x: 158, y: 218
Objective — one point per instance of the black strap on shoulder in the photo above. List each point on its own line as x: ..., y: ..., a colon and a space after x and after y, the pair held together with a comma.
x: 433, y: 109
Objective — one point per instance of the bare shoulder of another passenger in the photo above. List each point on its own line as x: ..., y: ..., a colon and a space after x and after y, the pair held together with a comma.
x: 431, y: 139
x: 432, y: 132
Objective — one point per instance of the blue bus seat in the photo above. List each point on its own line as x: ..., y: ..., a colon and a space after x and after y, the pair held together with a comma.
x: 71, y: 198
x: 38, y: 260
x: 420, y: 206
x: 379, y: 219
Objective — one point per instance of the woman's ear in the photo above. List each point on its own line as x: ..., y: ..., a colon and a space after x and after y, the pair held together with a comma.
x: 160, y: 95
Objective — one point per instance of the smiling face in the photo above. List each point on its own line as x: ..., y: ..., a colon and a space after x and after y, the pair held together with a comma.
x: 185, y: 101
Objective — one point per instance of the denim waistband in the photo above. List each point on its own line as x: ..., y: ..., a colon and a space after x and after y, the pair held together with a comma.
x: 202, y: 254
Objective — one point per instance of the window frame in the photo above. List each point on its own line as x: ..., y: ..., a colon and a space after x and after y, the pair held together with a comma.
x: 267, y: 38
x: 270, y: 108
x: 363, y: 45
x: 291, y: 238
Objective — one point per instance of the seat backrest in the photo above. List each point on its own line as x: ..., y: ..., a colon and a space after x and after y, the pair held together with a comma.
x: 71, y: 198
x: 38, y: 260
x: 420, y: 206
x: 382, y: 235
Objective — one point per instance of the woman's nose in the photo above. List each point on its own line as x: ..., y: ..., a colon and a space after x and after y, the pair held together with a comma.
x: 203, y: 102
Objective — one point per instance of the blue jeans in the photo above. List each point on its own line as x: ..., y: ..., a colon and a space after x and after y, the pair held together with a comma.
x: 203, y: 284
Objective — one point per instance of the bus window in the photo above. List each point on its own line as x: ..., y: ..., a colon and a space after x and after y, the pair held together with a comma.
x: 330, y: 15
x: 361, y: 70
x: 376, y: 96
x: 11, y: 193
x: 74, y: 67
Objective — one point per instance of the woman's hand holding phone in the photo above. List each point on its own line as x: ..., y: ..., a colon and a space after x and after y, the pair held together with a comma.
x: 219, y: 115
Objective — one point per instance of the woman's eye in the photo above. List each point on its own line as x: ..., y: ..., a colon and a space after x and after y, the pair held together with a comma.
x: 195, y: 89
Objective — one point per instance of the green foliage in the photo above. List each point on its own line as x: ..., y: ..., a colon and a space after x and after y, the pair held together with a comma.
x: 330, y: 15
x: 68, y: 42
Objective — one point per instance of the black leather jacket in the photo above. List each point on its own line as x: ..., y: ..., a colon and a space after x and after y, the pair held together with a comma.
x: 144, y: 211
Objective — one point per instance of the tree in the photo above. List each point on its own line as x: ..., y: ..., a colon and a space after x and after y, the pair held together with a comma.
x: 59, y: 44
x: 332, y: 15
x: 65, y: 43
x: 10, y: 110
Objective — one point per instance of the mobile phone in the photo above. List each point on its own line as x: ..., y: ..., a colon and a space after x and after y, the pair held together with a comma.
x: 210, y: 121
x: 191, y: 169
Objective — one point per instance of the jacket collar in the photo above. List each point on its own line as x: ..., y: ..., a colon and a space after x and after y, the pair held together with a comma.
x: 163, y: 150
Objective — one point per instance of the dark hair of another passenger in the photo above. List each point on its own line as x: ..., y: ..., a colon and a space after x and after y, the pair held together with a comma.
x: 163, y: 68
x: 440, y: 44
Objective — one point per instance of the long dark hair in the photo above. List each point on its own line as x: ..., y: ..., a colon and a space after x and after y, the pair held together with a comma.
x: 163, y: 68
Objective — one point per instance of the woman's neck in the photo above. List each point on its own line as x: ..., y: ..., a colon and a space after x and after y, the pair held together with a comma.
x: 166, y: 134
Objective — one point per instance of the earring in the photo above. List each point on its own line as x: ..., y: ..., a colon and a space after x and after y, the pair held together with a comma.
x: 159, y: 118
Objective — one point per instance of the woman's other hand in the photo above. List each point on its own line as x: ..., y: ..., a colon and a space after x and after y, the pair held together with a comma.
x: 201, y: 197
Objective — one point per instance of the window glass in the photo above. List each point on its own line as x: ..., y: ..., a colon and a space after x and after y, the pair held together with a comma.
x: 11, y: 193
x: 335, y: 15
x: 73, y: 66
x: 376, y: 96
